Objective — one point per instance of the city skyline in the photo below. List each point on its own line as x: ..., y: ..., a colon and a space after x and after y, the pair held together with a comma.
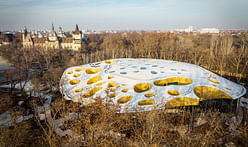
x: 123, y: 15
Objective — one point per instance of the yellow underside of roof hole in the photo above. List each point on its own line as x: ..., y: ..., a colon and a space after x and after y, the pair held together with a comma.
x: 95, y: 104
x: 124, y: 90
x: 92, y: 92
x: 173, y: 80
x: 76, y: 75
x: 173, y: 92
x: 142, y: 87
x: 109, y: 61
x: 112, y: 84
x: 100, y: 84
x: 149, y: 95
x: 73, y: 82
x: 214, y: 81
x: 207, y: 92
x: 182, y: 101
x: 78, y: 69
x: 94, y: 80
x: 92, y: 70
x: 112, y: 95
x: 110, y: 77
x: 124, y: 99
x: 213, y: 74
x: 113, y: 90
x: 69, y: 72
x: 78, y: 90
x: 146, y: 102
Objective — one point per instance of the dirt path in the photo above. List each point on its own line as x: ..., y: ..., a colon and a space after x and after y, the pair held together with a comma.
x: 3, y: 61
x: 4, y: 65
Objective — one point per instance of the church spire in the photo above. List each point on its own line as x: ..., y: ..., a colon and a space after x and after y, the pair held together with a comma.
x: 76, y: 28
x: 52, y: 27
x: 60, y: 29
x: 25, y: 31
x: 53, y: 33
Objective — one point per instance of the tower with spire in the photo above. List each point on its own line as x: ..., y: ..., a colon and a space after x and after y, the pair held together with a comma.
x: 53, y: 40
x: 25, y: 32
x: 53, y: 35
x: 27, y: 40
x: 77, y: 38
x: 60, y: 33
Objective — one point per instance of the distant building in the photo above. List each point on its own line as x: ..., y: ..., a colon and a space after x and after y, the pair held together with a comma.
x: 209, y: 30
x: 189, y: 29
x: 6, y: 38
x: 27, y: 40
x: 40, y: 35
x: 54, y: 40
x: 201, y: 31
x: 77, y: 38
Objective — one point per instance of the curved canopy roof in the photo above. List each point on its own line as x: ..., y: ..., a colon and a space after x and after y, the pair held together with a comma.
x: 145, y: 84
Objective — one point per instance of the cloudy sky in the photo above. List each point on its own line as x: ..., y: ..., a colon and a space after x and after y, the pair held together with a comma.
x: 123, y: 14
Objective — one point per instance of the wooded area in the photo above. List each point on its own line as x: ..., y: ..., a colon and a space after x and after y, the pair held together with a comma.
x: 225, y: 54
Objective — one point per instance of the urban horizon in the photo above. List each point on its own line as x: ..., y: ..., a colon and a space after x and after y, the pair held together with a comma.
x: 123, y: 15
x: 56, y: 27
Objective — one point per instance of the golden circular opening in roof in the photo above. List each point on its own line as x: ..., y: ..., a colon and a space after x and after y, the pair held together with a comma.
x: 173, y: 92
x: 78, y: 90
x: 149, y: 95
x: 182, y: 101
x: 112, y: 84
x: 207, y: 92
x: 124, y: 90
x: 69, y: 72
x: 92, y: 70
x: 112, y: 95
x: 76, y: 75
x: 113, y: 90
x: 109, y: 61
x: 146, y: 102
x: 142, y: 87
x: 214, y: 81
x: 173, y: 81
x: 94, y: 80
x: 124, y: 99
x: 101, y: 83
x: 73, y: 82
x: 78, y: 69
x: 91, y: 92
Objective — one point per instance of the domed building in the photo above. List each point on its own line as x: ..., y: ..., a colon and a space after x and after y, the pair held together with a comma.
x: 146, y: 84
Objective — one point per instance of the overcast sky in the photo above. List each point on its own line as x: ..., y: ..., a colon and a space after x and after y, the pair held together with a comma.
x: 123, y: 14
